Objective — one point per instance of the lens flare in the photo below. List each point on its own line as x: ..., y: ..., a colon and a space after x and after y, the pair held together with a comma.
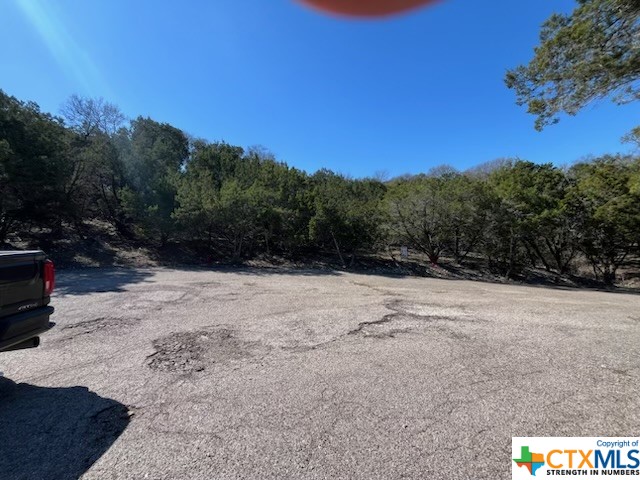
x: 366, y: 8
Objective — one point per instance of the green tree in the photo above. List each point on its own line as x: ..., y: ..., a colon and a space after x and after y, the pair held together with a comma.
x: 153, y: 158
x: 287, y: 204
x: 35, y: 166
x: 220, y: 159
x: 237, y: 213
x: 606, y: 191
x: 227, y: 219
x: 467, y: 212
x: 444, y: 212
x: 196, y: 203
x: 533, y: 198
x: 347, y: 214
x: 98, y: 171
x: 240, y: 203
x: 420, y: 214
x: 590, y: 54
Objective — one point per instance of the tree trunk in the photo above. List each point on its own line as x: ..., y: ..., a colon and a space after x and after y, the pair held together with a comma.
x: 353, y: 259
x: 266, y: 242
x: 540, y: 255
x: 456, y: 248
x: 512, y: 254
x: 609, y: 274
x: 5, y: 227
x: 335, y: 242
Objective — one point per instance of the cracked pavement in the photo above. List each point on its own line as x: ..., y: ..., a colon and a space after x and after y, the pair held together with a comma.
x: 261, y: 374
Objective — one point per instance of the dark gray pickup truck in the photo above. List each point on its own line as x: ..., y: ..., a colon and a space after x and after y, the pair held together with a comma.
x: 26, y: 281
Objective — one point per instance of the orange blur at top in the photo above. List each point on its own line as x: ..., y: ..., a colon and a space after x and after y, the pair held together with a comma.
x: 366, y: 8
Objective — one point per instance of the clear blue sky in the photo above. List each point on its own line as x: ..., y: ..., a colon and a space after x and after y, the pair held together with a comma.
x: 401, y: 95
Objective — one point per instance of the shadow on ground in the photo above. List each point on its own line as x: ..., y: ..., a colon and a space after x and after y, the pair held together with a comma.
x: 91, y: 280
x: 276, y: 270
x: 116, y: 279
x: 440, y: 272
x: 54, y: 433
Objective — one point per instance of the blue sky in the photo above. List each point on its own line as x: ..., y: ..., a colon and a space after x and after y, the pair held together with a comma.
x: 399, y: 95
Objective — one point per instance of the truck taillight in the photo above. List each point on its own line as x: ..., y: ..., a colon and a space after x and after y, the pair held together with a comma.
x: 49, y: 277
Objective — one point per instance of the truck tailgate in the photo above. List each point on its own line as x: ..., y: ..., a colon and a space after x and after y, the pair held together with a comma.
x: 21, y: 282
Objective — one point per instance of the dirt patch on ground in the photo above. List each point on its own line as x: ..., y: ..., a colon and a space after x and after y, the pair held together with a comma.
x: 189, y: 352
x: 157, y: 297
x: 112, y: 325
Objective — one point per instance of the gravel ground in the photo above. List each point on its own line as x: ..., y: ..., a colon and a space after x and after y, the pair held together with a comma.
x: 256, y: 374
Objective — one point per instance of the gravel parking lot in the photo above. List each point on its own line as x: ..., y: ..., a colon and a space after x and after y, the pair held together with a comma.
x: 259, y: 374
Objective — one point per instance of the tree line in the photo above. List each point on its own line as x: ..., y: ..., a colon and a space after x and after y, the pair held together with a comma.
x: 154, y: 183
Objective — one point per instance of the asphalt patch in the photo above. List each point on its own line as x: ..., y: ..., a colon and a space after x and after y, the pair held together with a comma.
x: 191, y: 352
x: 112, y: 325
